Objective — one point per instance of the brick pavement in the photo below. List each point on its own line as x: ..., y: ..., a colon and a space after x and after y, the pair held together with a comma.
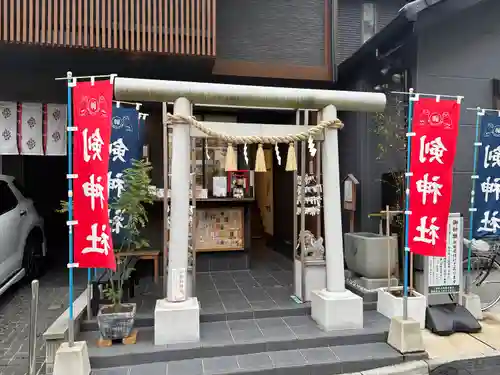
x: 15, y: 317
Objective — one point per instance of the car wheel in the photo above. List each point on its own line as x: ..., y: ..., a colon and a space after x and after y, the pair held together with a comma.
x: 33, y: 257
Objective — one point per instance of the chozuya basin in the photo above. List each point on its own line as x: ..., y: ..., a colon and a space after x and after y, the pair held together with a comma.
x: 366, y: 254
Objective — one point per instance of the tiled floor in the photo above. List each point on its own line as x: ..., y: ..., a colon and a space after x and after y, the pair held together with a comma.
x: 268, y: 285
x: 337, y: 357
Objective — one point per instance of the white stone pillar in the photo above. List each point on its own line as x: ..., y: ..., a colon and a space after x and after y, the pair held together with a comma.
x: 334, y: 307
x: 177, y: 318
x: 179, y: 206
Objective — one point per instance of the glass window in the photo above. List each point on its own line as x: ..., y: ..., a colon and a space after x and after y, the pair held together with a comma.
x: 369, y: 22
x: 20, y: 187
x: 9, y: 200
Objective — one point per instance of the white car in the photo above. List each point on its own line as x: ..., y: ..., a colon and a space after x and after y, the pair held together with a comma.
x: 22, y: 239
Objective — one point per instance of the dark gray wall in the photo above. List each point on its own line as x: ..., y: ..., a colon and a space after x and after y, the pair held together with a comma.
x: 291, y: 31
x: 349, y: 23
x: 461, y: 57
x: 358, y: 148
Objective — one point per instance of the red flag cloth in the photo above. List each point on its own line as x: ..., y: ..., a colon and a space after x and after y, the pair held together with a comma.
x: 92, y: 106
x: 433, y: 148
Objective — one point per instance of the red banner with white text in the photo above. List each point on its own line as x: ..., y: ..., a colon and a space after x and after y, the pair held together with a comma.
x: 433, y: 147
x: 92, y: 106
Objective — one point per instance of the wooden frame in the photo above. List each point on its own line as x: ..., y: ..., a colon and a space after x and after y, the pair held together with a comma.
x: 164, y: 26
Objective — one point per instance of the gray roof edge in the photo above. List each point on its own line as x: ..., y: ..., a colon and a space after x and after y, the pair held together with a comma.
x: 411, y: 10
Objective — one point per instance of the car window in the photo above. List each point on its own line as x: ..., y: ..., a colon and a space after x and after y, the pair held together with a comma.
x: 20, y: 187
x: 8, y: 200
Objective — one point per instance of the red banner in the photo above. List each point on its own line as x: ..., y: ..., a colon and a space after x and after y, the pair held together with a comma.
x: 433, y: 148
x: 92, y: 106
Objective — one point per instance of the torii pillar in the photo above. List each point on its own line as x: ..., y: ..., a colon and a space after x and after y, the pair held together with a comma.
x: 177, y: 316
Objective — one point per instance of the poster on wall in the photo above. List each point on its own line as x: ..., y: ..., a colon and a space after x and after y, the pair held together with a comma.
x: 444, y: 273
x: 92, y: 105
x: 487, y: 197
x: 433, y: 146
x: 55, y: 129
x: 31, y: 118
x: 8, y: 128
x: 125, y: 147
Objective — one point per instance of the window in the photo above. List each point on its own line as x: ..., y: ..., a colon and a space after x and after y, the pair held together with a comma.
x: 8, y: 201
x: 369, y: 22
x: 20, y: 187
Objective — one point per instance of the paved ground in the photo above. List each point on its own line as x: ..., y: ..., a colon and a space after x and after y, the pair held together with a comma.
x: 15, y: 317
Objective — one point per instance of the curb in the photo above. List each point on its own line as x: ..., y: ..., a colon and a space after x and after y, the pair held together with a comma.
x: 406, y: 368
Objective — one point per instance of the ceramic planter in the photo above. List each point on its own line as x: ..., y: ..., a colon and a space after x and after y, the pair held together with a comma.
x: 116, y: 325
x: 391, y: 305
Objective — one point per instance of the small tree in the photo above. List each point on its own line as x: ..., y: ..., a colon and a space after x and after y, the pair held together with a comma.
x: 390, y: 128
x: 134, y: 196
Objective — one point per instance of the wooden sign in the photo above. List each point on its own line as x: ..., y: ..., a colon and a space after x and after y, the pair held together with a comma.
x: 350, y: 183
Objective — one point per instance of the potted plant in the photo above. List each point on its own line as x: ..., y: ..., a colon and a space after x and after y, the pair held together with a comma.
x: 116, y: 320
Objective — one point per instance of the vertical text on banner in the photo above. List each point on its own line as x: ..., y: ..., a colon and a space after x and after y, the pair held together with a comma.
x: 125, y: 146
x: 487, y: 189
x: 433, y: 147
x: 92, y: 104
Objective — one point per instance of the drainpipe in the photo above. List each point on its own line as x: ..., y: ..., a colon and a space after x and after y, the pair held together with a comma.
x: 333, y: 32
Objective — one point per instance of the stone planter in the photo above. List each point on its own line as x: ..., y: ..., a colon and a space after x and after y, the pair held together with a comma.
x: 366, y: 254
x: 391, y: 305
x: 116, y: 325
x: 314, y: 277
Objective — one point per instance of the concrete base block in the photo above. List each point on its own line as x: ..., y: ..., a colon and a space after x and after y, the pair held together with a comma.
x: 314, y: 278
x: 333, y: 310
x: 177, y: 322
x: 472, y: 303
x: 405, y: 335
x: 72, y: 360
x: 372, y: 284
x: 390, y: 305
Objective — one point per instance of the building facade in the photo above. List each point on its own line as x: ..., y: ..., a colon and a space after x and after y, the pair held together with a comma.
x: 442, y: 47
x: 277, y: 43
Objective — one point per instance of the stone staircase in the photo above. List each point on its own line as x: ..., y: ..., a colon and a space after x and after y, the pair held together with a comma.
x: 266, y: 344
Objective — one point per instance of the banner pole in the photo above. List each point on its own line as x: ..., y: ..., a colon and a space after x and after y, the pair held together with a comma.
x: 71, y: 332
x: 477, y: 144
x: 407, y: 205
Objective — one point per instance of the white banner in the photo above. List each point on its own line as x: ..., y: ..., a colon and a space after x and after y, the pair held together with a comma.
x: 8, y: 128
x: 31, y: 129
x: 56, y: 130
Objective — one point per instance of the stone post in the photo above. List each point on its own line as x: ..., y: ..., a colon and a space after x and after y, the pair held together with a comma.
x: 177, y: 319
x: 179, y: 206
x: 334, y: 307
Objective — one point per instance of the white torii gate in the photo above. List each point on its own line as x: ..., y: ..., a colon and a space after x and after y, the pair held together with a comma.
x: 177, y: 316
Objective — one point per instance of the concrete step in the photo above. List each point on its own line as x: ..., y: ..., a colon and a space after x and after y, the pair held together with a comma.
x: 336, y: 359
x: 147, y: 320
x: 236, y: 337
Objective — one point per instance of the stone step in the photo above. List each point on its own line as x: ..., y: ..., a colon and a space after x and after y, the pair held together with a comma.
x: 147, y: 320
x: 332, y: 359
x: 236, y: 337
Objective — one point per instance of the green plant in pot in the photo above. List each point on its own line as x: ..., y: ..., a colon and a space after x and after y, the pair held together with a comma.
x: 117, y: 319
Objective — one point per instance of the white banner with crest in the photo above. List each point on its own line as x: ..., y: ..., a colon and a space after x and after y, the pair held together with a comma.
x: 8, y: 128
x: 31, y: 129
x: 56, y: 129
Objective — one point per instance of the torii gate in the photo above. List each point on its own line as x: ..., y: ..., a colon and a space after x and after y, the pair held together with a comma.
x: 177, y: 317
